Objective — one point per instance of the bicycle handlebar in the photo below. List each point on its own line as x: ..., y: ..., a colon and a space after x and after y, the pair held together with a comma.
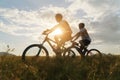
x: 46, y: 32
x: 74, y: 43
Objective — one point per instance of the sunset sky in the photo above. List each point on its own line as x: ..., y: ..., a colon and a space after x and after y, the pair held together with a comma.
x: 23, y: 21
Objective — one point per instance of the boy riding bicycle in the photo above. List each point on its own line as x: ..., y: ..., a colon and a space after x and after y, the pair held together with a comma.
x: 85, y: 38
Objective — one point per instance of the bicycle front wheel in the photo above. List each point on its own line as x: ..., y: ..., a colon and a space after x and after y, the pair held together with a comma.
x: 94, y: 53
x: 33, y: 51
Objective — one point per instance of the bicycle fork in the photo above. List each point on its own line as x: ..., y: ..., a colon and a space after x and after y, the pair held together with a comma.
x: 38, y: 52
x: 39, y: 49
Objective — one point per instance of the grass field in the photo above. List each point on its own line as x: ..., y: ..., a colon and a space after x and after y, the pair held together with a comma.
x: 59, y: 68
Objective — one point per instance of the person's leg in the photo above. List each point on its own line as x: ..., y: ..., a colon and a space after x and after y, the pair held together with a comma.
x: 81, y: 45
x: 59, y: 40
x: 56, y: 39
x: 86, y: 43
x: 63, y: 39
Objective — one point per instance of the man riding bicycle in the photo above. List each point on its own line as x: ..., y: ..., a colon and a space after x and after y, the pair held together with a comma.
x: 64, y: 27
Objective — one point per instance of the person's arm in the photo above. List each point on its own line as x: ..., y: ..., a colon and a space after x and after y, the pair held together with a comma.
x: 76, y: 36
x: 54, y: 28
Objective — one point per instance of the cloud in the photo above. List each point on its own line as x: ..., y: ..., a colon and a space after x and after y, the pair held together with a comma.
x: 94, y: 7
x: 100, y: 16
x: 26, y: 23
x: 108, y: 28
x: 103, y: 16
x: 15, y: 22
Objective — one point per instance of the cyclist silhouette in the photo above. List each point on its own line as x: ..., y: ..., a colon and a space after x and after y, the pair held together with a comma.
x: 65, y: 28
x: 85, y: 38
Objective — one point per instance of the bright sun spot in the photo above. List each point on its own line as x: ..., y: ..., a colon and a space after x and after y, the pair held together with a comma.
x: 57, y: 31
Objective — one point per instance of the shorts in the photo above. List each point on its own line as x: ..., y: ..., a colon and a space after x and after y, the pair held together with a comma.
x: 85, y: 42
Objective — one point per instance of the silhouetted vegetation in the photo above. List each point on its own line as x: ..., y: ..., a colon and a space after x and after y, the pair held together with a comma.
x: 59, y: 68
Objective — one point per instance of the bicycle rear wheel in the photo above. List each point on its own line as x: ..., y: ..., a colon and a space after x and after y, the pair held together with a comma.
x: 33, y: 51
x: 69, y: 53
x: 94, y: 53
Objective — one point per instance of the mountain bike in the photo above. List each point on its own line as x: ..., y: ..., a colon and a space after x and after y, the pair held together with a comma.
x: 35, y: 50
x: 75, y: 47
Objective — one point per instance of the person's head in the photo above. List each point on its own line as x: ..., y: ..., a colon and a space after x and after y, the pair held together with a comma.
x: 81, y: 25
x: 58, y: 17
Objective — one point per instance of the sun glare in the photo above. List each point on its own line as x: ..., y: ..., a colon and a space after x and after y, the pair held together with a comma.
x: 57, y: 32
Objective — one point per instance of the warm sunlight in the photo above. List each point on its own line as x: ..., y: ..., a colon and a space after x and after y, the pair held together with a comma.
x: 57, y: 31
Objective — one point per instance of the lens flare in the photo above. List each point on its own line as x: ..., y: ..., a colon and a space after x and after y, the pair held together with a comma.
x: 57, y: 32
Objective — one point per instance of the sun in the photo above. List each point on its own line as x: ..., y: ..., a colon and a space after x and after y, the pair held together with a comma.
x: 57, y: 31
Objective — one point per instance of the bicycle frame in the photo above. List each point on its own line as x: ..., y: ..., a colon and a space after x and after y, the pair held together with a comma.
x: 77, y: 47
x: 48, y: 40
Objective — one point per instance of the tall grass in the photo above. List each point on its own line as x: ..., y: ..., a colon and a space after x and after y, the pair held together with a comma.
x: 59, y: 68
